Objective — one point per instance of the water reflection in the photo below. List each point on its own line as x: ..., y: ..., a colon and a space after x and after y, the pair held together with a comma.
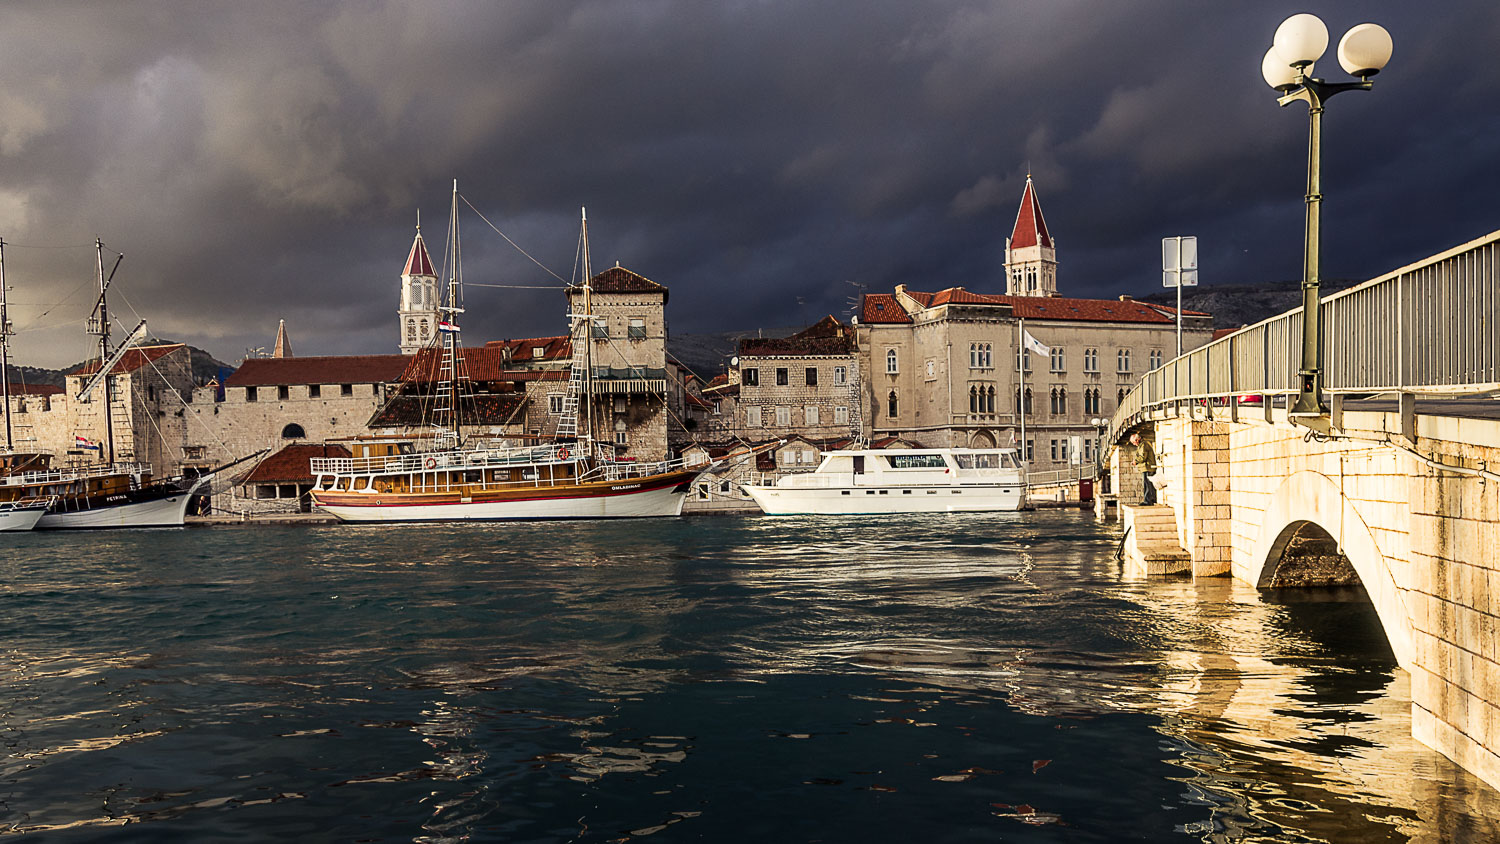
x: 724, y: 679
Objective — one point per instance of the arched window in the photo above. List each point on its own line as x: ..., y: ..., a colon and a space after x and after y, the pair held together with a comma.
x: 411, y: 330
x: 890, y: 363
x: 1120, y: 397
x: 990, y: 400
x: 293, y: 432
x: 1062, y: 401
x: 426, y: 329
x: 973, y: 399
x: 1028, y: 400
x: 891, y: 410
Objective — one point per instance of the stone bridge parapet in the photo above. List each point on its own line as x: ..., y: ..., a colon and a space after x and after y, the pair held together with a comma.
x: 1412, y: 515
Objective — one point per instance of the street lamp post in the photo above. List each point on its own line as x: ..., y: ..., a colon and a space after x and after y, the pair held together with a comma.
x: 1287, y: 67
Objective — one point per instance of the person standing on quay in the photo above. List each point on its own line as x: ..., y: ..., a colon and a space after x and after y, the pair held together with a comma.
x: 1145, y: 461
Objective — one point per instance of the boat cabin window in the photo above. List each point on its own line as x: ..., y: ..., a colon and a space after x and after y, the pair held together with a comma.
x: 917, y: 461
x: 859, y: 465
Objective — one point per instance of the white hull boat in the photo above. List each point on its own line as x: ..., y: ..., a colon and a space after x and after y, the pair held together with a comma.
x: 21, y: 515
x: 162, y: 504
x: 886, y: 481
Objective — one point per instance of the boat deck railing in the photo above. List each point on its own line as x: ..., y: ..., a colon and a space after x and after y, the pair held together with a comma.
x: 430, y: 460
x: 52, y: 476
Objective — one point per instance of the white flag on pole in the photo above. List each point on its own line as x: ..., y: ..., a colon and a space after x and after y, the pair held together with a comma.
x: 1035, y: 345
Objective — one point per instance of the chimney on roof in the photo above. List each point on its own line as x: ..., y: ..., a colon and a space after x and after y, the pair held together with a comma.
x: 1126, y: 297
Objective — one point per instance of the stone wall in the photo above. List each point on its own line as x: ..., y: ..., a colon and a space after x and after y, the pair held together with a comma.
x: 1420, y: 539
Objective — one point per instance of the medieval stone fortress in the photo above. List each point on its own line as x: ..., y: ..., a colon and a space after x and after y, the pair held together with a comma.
x: 918, y: 368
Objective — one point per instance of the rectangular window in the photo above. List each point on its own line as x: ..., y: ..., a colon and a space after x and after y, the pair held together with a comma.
x: 811, y: 412
x: 249, y: 394
x: 314, y: 390
x: 620, y: 438
x: 1030, y: 454
x: 812, y: 376
x: 750, y: 377
x: 619, y: 404
x: 346, y: 389
x: 752, y: 417
x: 555, y: 403
x: 637, y: 330
x: 840, y: 376
x: 784, y: 417
x: 781, y: 376
x: 283, y: 392
x: 601, y: 331
x: 841, y: 415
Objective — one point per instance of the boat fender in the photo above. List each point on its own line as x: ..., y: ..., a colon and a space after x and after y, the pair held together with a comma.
x: 432, y: 462
x: 562, y: 453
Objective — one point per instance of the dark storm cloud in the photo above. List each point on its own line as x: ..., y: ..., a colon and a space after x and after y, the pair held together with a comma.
x: 265, y: 160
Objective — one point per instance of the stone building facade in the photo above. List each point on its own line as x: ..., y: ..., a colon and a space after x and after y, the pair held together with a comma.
x: 944, y: 368
x: 805, y: 385
x: 150, y: 386
x: 626, y: 347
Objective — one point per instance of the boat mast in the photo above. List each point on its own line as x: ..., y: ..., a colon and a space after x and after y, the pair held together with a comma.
x: 588, y: 338
x: 448, y: 316
x: 99, y: 325
x: 5, y: 333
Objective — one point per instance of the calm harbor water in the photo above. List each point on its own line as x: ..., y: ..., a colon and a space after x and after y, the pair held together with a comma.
x: 971, y: 678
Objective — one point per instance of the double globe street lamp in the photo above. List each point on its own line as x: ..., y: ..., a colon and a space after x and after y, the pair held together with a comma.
x: 1287, y: 67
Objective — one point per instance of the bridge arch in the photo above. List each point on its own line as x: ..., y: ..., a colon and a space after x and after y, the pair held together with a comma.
x: 1306, y: 512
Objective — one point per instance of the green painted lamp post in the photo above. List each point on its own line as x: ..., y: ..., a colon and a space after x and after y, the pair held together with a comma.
x: 1287, y: 67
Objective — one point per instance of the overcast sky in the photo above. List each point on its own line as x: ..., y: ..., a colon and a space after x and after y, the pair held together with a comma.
x: 261, y: 160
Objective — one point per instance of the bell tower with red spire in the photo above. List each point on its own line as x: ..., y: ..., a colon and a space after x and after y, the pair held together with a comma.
x: 419, y: 297
x: 1030, y: 257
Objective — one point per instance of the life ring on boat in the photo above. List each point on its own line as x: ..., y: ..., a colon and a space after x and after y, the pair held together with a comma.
x: 563, y: 453
x: 432, y: 462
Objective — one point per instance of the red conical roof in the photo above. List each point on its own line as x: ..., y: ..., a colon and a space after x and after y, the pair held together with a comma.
x: 1031, y: 227
x: 418, y: 262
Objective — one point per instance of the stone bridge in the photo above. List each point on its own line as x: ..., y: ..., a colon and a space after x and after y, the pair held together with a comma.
x: 1392, y: 488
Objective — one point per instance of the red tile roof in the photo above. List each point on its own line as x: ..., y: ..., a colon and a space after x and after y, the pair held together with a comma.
x: 329, y: 369
x: 418, y: 262
x: 34, y: 390
x: 1037, y: 307
x: 481, y: 409
x: 882, y: 308
x: 621, y: 280
x: 1031, y: 227
x: 828, y: 336
x: 133, y: 359
x: 290, y: 465
x: 553, y: 348
x: 486, y: 363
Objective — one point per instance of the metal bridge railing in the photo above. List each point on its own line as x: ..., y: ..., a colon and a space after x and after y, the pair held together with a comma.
x: 1431, y: 326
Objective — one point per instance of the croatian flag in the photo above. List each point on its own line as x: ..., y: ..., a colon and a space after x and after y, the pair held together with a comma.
x: 81, y: 442
x: 447, y: 326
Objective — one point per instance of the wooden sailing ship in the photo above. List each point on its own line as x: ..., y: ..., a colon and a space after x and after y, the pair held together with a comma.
x: 36, y: 494
x: 441, y: 476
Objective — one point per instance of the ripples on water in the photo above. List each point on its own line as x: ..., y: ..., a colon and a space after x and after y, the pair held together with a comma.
x: 969, y: 678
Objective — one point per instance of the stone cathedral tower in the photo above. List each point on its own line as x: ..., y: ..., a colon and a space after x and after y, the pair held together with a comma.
x: 419, y: 298
x: 1030, y: 258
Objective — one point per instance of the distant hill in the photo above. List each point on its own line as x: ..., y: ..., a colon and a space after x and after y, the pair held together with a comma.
x: 709, y: 354
x: 1234, y: 305
x: 205, y: 366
